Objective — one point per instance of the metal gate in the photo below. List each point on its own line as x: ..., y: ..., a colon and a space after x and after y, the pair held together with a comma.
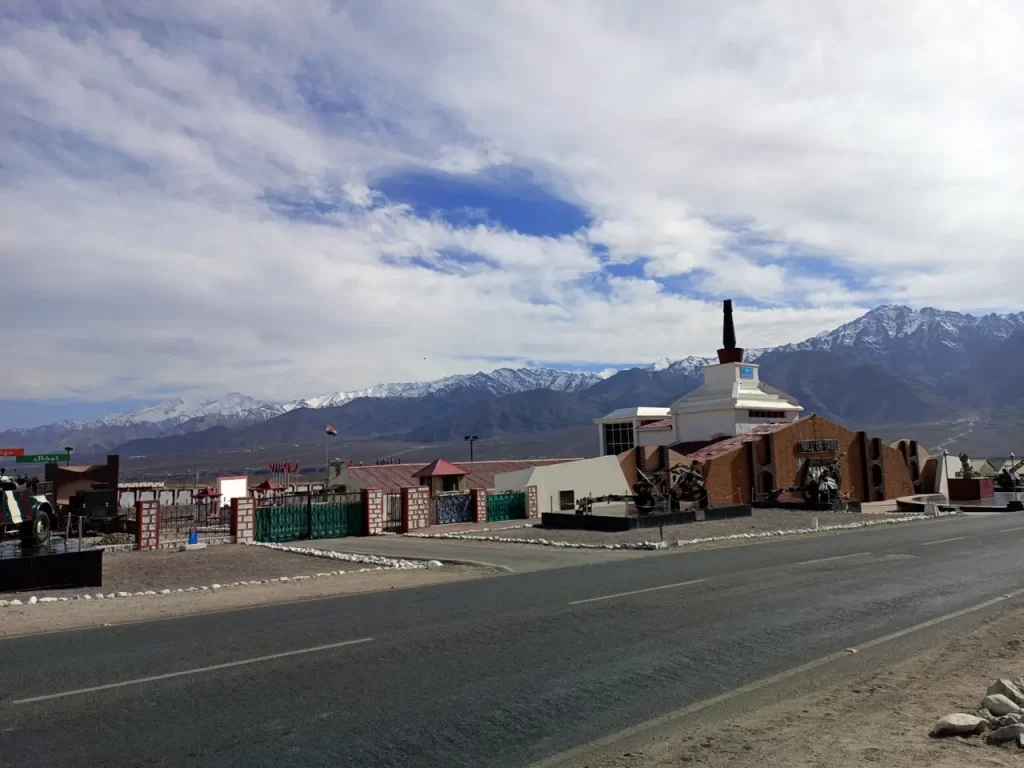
x: 288, y: 517
x: 509, y: 505
x: 393, y: 512
x: 455, y: 507
x: 206, y: 518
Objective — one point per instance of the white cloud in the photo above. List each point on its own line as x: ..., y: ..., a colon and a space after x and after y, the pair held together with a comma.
x: 137, y: 154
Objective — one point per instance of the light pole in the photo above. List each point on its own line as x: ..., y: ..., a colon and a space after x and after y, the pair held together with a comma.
x: 68, y: 449
x: 1013, y: 475
x: 471, y: 439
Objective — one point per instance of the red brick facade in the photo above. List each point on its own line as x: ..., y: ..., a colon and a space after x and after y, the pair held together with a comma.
x: 532, y: 506
x: 243, y: 519
x: 373, y: 509
x: 415, y: 508
x: 480, y: 504
x: 147, y: 525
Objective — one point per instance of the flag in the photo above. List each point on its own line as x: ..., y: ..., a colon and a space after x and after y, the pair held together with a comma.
x: 332, y: 431
x: 287, y: 467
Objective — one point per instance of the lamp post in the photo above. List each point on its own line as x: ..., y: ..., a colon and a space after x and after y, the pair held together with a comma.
x: 68, y: 449
x: 471, y: 439
x: 1013, y: 475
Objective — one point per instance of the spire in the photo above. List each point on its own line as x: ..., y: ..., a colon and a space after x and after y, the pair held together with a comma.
x: 729, y: 353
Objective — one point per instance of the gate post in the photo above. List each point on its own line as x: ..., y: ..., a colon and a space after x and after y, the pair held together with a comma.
x: 243, y: 519
x: 309, y: 516
x: 373, y: 510
x: 415, y: 508
x: 147, y: 525
x: 532, y: 507
x: 480, y: 504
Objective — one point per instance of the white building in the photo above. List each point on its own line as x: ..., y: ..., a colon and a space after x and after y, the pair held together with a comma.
x: 732, y: 400
x: 619, y: 430
x: 559, y: 486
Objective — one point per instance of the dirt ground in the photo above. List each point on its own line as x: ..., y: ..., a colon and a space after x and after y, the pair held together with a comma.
x: 225, y: 564
x: 880, y: 719
x: 761, y: 520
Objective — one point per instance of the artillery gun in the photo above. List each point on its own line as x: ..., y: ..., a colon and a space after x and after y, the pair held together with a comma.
x: 1008, y: 480
x: 821, y: 483
x: 669, y: 490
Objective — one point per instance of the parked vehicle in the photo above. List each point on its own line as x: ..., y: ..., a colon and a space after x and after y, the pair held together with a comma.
x: 28, y: 508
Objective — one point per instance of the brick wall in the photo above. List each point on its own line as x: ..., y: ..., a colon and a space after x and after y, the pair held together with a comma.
x: 727, y: 478
x: 147, y: 524
x: 415, y: 507
x: 480, y: 504
x: 897, y: 481
x: 373, y: 508
x: 243, y: 519
x: 532, y: 507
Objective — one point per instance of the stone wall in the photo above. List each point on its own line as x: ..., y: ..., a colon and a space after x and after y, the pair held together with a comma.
x: 480, y: 504
x: 373, y: 506
x: 147, y: 525
x: 532, y: 506
x: 243, y: 519
x: 415, y: 508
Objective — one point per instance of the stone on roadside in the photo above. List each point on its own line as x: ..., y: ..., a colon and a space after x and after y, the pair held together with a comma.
x: 1008, y: 689
x: 999, y: 705
x: 47, y: 599
x: 435, y: 564
x: 165, y: 591
x: 3, y: 603
x: 15, y: 602
x: 1011, y: 719
x: 957, y: 724
x: 1006, y: 733
x: 33, y: 600
x: 100, y: 596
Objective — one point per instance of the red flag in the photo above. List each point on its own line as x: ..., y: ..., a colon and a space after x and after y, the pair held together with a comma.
x: 271, y: 466
x: 296, y: 467
x: 287, y: 467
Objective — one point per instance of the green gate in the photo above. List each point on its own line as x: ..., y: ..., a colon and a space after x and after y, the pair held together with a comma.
x: 509, y: 505
x: 304, y: 516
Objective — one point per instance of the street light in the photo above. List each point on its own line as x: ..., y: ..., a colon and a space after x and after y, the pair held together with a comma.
x: 68, y: 449
x: 471, y: 439
x: 1013, y: 476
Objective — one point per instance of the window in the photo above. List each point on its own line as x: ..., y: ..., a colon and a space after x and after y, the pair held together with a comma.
x: 618, y: 438
x: 766, y: 414
x: 567, y: 500
x: 449, y: 483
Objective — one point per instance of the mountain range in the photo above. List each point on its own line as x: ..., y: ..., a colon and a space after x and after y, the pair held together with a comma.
x: 895, y: 368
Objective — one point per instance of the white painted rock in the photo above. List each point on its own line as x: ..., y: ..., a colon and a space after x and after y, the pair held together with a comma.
x: 435, y: 564
x: 33, y: 600
x: 47, y: 599
x: 149, y: 592
x: 1006, y: 733
x: 99, y: 595
x: 165, y: 591
x: 999, y: 705
x: 15, y: 602
x: 1008, y: 689
x: 215, y: 586
x: 3, y: 603
x: 957, y: 724
x: 124, y: 594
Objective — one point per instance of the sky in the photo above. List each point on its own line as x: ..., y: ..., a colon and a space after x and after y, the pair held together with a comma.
x: 292, y: 197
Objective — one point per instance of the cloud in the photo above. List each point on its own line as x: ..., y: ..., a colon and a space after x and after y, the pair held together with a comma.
x: 189, y: 193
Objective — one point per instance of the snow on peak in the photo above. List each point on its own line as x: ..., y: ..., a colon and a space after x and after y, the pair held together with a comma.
x: 180, y: 409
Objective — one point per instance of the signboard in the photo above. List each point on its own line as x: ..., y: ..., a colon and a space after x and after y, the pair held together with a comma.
x: 43, y: 458
x: 12, y: 451
x: 746, y: 372
x: 817, y: 446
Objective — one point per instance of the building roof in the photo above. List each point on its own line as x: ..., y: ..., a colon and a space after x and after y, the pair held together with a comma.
x: 663, y: 424
x: 440, y: 468
x: 636, y: 412
x: 705, y: 450
x: 392, y: 477
x: 267, y: 485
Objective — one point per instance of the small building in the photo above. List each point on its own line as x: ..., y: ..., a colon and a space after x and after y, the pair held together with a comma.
x: 560, y: 486
x: 442, y: 477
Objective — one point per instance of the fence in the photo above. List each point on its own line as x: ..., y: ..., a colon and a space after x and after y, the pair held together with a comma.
x: 453, y: 507
x: 393, y: 512
x: 507, y: 505
x: 207, y: 519
x: 288, y: 517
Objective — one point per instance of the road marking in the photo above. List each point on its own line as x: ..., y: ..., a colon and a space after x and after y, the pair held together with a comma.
x: 942, y: 541
x: 1007, y: 530
x: 196, y: 671
x: 658, y: 722
x: 636, y: 592
x: 830, y: 559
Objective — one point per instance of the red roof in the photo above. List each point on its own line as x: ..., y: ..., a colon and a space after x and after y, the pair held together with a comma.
x: 709, y: 449
x: 663, y: 424
x: 392, y: 477
x: 266, y: 485
x: 440, y: 468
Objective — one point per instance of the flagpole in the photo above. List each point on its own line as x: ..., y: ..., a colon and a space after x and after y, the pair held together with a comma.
x: 327, y: 462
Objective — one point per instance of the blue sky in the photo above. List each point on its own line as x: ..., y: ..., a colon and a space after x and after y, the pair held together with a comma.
x: 322, y: 196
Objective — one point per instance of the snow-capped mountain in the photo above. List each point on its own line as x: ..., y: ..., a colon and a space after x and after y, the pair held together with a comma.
x: 179, y: 410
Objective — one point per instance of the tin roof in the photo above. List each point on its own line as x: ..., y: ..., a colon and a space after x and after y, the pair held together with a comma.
x: 705, y: 450
x: 480, y: 474
x: 663, y: 424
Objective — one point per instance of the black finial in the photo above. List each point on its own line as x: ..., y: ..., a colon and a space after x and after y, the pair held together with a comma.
x: 728, y: 330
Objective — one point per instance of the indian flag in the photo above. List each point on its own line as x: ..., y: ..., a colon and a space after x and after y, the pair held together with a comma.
x: 332, y: 431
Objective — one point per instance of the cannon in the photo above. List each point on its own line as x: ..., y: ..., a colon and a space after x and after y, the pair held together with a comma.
x: 670, y: 490
x: 821, y: 482
x: 1008, y: 480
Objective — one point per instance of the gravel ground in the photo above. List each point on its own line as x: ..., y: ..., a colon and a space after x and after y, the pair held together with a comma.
x: 762, y: 520
x: 171, y: 569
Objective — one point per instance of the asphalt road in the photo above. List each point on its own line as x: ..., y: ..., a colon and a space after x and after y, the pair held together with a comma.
x: 492, y: 672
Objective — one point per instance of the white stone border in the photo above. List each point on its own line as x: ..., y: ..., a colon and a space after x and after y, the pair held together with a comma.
x: 800, y: 531
x: 474, y: 531
x: 544, y: 542
x: 330, y: 554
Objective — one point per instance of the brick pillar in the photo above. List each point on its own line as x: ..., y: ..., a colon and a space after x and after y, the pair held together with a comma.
x: 243, y: 519
x: 147, y: 524
x: 480, y: 504
x: 373, y: 509
x: 415, y: 507
x: 532, y: 507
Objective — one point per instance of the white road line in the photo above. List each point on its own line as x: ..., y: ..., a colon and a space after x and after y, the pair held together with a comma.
x: 197, y: 671
x: 1007, y: 530
x: 830, y: 559
x: 942, y: 541
x: 577, y: 752
x: 636, y: 592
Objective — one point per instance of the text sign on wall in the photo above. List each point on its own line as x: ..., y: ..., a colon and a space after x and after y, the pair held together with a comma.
x: 817, y: 446
x: 43, y: 458
x: 746, y: 372
x: 8, y: 452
